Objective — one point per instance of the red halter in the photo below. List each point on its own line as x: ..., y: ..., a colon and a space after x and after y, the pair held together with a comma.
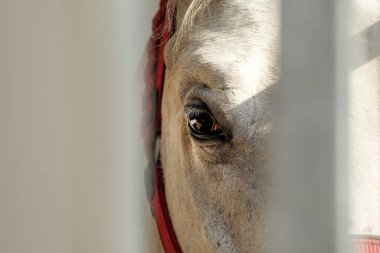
x: 154, y: 80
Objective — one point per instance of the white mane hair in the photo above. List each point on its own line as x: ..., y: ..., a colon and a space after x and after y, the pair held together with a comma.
x: 195, y: 8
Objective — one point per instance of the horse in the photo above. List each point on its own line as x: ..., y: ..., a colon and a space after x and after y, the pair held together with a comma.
x: 221, y: 80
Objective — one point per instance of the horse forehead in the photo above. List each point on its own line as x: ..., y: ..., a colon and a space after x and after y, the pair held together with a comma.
x: 232, y: 25
x: 232, y: 41
x: 223, y: 61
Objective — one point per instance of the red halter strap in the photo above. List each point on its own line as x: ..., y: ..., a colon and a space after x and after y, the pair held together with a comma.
x: 154, y: 80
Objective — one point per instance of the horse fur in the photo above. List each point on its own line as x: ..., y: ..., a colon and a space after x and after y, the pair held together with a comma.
x: 225, y: 53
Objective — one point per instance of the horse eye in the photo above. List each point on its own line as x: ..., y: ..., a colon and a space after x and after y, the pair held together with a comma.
x: 203, y: 126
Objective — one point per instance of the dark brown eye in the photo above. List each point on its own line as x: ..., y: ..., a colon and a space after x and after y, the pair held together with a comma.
x: 203, y: 126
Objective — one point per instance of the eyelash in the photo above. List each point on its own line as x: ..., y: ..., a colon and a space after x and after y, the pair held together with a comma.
x: 194, y: 111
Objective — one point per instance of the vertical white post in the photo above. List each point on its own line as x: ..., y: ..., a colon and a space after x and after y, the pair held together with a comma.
x: 312, y: 171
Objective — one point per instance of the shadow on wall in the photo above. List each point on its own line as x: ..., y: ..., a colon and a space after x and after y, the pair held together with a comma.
x: 369, y: 41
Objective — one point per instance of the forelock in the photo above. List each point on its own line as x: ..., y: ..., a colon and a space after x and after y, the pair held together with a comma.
x: 184, y: 25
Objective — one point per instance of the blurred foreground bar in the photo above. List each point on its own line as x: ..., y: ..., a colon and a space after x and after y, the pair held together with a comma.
x: 312, y: 172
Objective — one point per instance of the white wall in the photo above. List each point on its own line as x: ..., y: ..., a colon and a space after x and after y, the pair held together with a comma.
x: 71, y: 161
x: 364, y: 123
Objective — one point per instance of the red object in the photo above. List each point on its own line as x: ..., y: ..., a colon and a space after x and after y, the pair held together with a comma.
x: 154, y: 80
x: 367, y: 244
x: 165, y: 228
